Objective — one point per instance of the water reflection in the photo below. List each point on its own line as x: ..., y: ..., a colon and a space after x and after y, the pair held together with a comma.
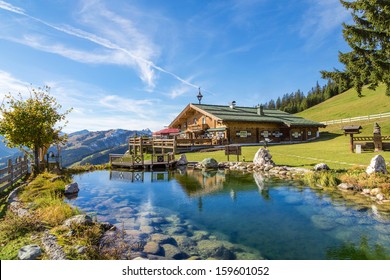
x: 271, y: 218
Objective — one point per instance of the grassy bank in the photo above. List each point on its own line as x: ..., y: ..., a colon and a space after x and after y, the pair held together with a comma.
x: 43, y: 197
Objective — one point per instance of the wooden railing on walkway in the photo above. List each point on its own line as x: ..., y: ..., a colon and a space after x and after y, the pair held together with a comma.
x: 144, y: 160
x: 13, y: 172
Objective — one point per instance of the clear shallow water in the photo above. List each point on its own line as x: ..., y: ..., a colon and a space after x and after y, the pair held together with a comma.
x: 252, y: 216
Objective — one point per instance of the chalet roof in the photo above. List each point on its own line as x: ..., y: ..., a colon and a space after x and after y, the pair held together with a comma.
x: 249, y: 114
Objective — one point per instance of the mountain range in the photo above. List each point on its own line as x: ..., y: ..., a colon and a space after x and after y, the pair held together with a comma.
x: 87, y: 147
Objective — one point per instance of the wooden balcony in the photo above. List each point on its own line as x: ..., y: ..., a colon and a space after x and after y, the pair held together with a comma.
x: 197, y: 127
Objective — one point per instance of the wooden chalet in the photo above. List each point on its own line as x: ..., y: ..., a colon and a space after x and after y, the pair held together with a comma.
x: 234, y: 125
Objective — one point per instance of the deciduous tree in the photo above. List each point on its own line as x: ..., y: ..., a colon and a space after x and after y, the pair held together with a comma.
x: 32, y: 122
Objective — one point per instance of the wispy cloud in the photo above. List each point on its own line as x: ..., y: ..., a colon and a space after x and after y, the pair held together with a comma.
x: 141, y: 55
x: 322, y: 18
x: 98, y: 111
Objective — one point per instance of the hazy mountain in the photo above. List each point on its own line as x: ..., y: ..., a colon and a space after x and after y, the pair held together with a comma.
x: 85, y: 146
x: 94, y: 147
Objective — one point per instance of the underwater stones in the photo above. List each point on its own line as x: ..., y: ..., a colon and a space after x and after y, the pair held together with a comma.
x: 214, y: 249
x: 162, y: 239
x: 135, y: 234
x: 29, y: 252
x: 147, y: 229
x: 173, y: 252
x: 293, y: 199
x: 152, y: 248
x: 184, y: 241
x: 322, y: 222
x: 200, y: 235
x: 345, y: 221
x: 175, y: 230
x: 157, y: 221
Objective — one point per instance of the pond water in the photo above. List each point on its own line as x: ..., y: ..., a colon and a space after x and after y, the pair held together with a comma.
x: 229, y: 215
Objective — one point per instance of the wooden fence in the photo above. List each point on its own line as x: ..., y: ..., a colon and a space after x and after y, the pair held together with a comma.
x: 13, y: 172
x: 357, y: 119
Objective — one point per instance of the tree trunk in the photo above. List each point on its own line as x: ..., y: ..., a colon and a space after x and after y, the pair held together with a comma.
x: 37, y: 168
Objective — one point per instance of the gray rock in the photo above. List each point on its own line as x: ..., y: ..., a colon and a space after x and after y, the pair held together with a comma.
x: 182, y: 160
x: 214, y: 249
x: 184, y: 241
x: 209, y: 163
x: 162, y: 239
x: 78, y: 220
x: 263, y: 158
x: 152, y: 248
x: 52, y: 248
x: 147, y: 229
x: 345, y: 186
x: 173, y: 252
x: 200, y: 235
x: 377, y: 165
x: 72, y: 188
x: 81, y: 249
x: 321, y: 167
x: 29, y: 252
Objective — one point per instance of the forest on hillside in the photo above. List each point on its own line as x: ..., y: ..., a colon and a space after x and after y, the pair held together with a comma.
x: 296, y: 102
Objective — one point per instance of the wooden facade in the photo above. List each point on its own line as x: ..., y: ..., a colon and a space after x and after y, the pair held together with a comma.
x: 235, y: 125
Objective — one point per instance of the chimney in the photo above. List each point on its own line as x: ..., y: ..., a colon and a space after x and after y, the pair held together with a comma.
x: 233, y: 105
x: 260, y: 110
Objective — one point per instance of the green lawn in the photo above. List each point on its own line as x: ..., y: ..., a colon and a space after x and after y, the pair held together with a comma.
x: 348, y: 104
x: 331, y: 148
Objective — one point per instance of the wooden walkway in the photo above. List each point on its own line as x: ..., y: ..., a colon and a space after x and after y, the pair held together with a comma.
x: 140, y: 161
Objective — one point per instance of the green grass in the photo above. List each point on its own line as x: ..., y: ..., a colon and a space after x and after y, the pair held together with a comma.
x: 348, y: 104
x: 331, y: 148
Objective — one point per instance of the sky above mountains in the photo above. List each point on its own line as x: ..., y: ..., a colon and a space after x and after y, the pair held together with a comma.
x: 136, y: 64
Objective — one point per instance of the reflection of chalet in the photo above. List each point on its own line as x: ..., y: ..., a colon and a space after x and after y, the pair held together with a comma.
x: 233, y: 124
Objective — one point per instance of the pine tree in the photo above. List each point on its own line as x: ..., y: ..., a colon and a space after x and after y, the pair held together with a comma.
x: 369, y: 38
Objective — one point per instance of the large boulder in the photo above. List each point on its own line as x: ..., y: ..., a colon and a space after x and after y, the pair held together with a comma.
x: 173, y: 252
x: 209, y: 163
x: 29, y: 252
x: 263, y: 159
x: 182, y: 160
x: 72, y: 188
x: 377, y: 165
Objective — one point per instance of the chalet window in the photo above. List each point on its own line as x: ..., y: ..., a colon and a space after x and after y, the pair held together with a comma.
x: 203, y: 120
x: 195, y: 120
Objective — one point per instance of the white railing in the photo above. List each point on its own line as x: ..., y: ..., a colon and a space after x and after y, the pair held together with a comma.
x: 356, y: 119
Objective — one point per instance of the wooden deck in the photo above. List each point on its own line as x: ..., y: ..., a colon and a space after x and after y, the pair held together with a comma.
x: 143, y: 161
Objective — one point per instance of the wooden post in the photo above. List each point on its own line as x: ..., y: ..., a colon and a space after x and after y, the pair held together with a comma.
x: 351, y: 142
x: 10, y: 170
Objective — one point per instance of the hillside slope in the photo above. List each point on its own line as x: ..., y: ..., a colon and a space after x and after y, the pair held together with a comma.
x: 93, y: 147
x: 348, y: 104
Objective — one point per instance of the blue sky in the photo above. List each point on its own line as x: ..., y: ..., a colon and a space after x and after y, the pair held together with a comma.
x: 137, y: 64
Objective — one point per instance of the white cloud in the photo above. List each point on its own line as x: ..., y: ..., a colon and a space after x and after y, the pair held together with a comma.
x: 117, y: 34
x: 322, y: 18
x: 94, y: 108
x: 10, y: 84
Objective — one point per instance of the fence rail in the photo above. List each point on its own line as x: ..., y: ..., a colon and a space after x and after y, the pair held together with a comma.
x: 13, y: 172
x: 356, y: 119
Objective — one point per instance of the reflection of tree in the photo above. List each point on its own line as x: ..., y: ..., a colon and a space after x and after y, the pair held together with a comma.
x: 350, y: 251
